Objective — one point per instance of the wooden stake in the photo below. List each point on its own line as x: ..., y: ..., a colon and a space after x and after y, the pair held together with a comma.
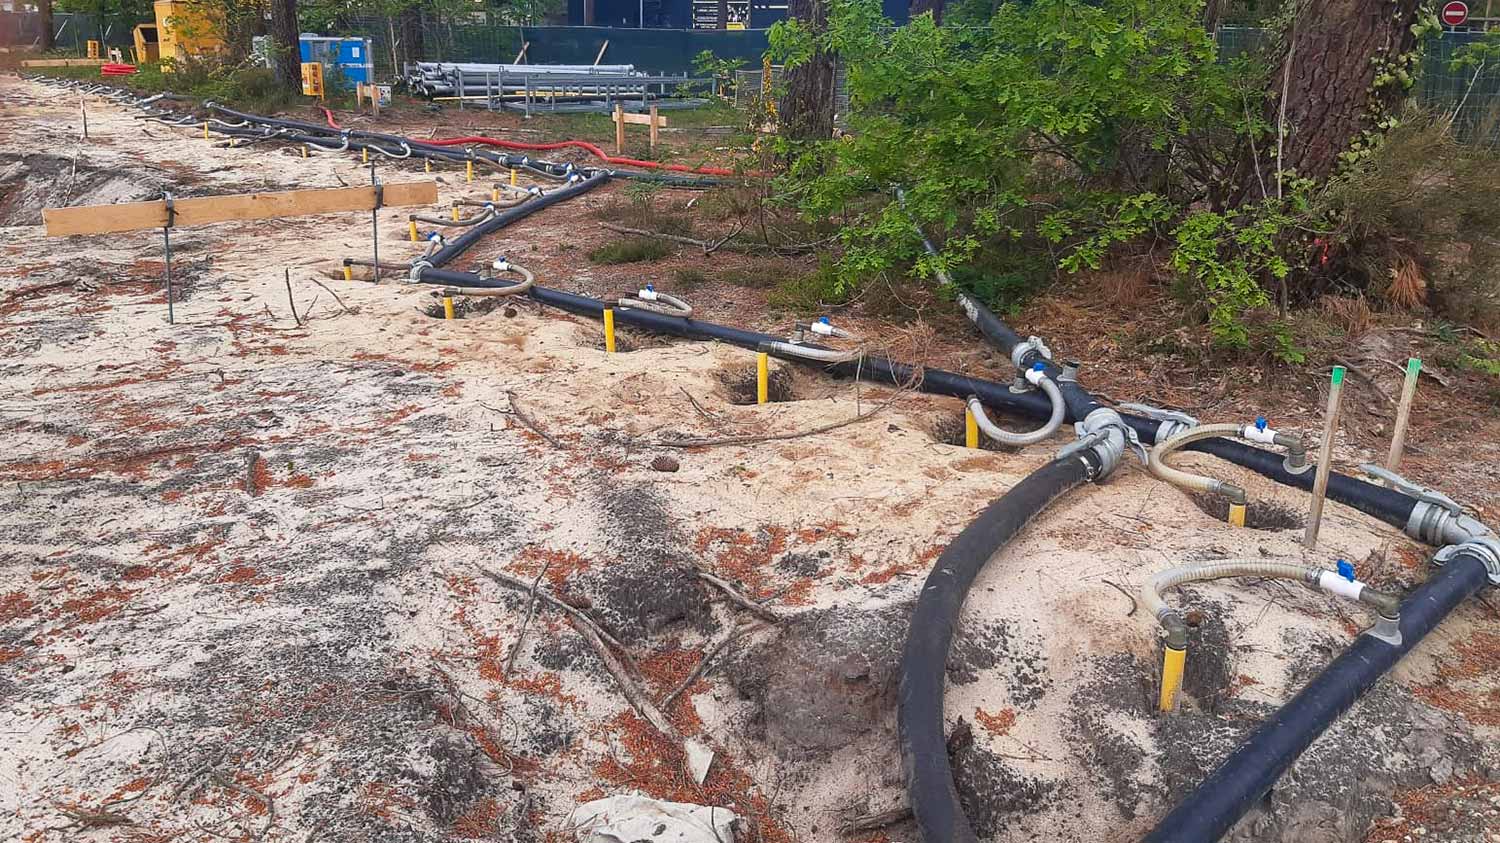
x: 1403, y: 415
x: 1325, y: 458
x: 619, y: 129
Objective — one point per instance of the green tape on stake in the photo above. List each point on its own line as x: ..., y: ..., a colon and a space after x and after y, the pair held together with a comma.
x: 1338, y: 375
x: 1413, y: 366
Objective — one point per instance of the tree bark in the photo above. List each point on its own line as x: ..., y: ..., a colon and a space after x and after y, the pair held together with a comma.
x: 285, y: 43
x: 806, y: 109
x: 44, y: 12
x: 1327, y: 67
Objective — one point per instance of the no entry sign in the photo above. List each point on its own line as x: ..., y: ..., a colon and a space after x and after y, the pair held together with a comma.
x: 1455, y: 13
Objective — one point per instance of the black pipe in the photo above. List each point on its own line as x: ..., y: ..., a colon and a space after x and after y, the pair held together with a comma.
x: 1224, y: 797
x: 462, y: 243
x: 1387, y: 505
x: 924, y: 752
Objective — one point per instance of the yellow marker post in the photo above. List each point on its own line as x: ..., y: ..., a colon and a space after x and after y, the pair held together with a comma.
x: 512, y: 176
x: 364, y: 155
x: 411, y: 231
x: 448, y: 307
x: 455, y: 213
x: 971, y: 429
x: 205, y: 130
x: 304, y: 150
x: 1236, y: 515
x: 494, y: 194
x: 469, y: 170
x: 1171, y: 677
x: 762, y: 378
x: 609, y: 330
x: 348, y: 272
x: 426, y: 165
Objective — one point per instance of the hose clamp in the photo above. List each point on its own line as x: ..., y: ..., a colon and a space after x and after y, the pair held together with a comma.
x: 415, y: 275
x: 1023, y: 350
x: 1436, y: 518
x: 1485, y: 548
x: 1107, y: 435
x: 1172, y: 422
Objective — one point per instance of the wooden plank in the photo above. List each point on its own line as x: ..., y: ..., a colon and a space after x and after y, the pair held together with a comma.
x: 133, y: 216
x: 64, y: 62
x: 643, y: 119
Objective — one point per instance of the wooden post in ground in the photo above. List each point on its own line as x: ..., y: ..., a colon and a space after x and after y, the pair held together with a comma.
x: 1403, y: 416
x: 1325, y: 458
x: 654, y: 125
x: 619, y: 129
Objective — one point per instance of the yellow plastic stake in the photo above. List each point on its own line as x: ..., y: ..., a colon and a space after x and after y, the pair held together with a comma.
x: 762, y: 378
x: 411, y: 231
x: 1236, y: 515
x: 494, y: 194
x: 1171, y: 677
x: 512, y: 176
x: 469, y: 170
x: 971, y: 429
x: 348, y: 272
x: 448, y: 307
x: 609, y: 330
x: 304, y: 150
x: 364, y: 155
x: 205, y: 130
x: 426, y: 165
x: 455, y: 213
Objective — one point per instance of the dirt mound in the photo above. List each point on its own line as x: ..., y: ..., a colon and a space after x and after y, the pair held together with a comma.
x: 29, y: 183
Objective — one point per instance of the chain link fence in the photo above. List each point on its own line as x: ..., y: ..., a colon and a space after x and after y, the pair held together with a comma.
x: 1470, y: 95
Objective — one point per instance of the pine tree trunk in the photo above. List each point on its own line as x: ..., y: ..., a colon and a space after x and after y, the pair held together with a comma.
x: 1333, y: 55
x: 44, y: 11
x: 806, y: 109
x: 285, y: 42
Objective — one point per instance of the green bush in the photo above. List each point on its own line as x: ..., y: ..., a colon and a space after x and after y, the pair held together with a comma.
x: 630, y: 250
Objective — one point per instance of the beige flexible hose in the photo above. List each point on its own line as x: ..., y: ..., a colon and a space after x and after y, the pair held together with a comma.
x: 1187, y: 480
x: 528, y: 280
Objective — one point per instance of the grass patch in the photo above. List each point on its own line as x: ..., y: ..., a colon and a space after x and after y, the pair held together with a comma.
x: 812, y: 292
x: 630, y: 250
x: 689, y: 278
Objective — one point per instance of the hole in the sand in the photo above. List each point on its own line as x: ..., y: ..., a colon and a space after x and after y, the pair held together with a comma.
x: 1259, y: 515
x: 465, y: 307
x: 740, y: 382
x: 949, y: 430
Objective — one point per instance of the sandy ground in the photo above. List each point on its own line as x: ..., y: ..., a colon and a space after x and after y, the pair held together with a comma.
x: 243, y: 572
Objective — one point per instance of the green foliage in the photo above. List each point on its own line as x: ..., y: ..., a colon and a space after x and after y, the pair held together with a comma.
x: 813, y: 292
x: 1225, y: 255
x: 1045, y: 129
x: 706, y: 63
x: 630, y: 250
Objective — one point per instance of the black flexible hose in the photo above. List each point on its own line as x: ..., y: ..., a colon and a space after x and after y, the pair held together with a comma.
x: 462, y: 243
x: 924, y: 752
x: 1388, y: 505
x: 1229, y: 792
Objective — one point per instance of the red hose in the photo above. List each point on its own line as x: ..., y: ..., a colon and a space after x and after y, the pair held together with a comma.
x: 329, y: 114
x: 584, y: 145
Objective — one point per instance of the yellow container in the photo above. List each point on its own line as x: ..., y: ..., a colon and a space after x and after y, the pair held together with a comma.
x: 93, y: 49
x: 147, y: 49
x: 187, y: 29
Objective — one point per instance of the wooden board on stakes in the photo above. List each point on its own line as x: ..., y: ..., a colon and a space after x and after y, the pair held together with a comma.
x: 134, y: 216
x: 64, y: 62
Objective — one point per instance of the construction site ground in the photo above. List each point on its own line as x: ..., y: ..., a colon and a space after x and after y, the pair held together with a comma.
x: 258, y: 567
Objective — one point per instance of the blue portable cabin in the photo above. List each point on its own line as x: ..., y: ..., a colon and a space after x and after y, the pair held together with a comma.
x: 350, y: 55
